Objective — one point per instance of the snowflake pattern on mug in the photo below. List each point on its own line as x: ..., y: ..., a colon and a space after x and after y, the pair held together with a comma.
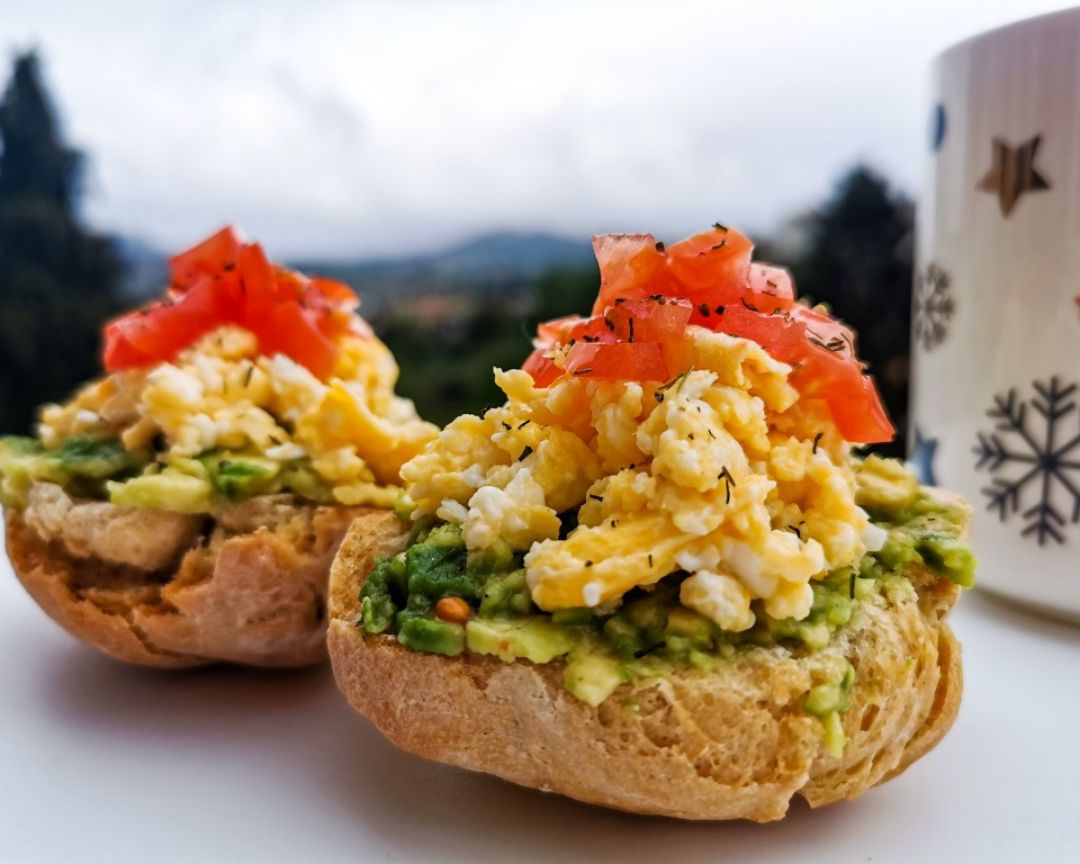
x: 1034, y: 464
x: 934, y: 307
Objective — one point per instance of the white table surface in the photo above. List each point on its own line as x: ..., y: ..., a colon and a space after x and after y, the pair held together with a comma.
x: 99, y: 762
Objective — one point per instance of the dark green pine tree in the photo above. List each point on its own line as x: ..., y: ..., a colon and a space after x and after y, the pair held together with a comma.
x: 57, y: 280
x: 858, y: 259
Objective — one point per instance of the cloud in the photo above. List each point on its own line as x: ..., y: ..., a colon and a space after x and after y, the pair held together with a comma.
x: 334, y: 128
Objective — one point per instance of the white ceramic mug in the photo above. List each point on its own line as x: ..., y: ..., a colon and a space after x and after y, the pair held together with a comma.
x: 996, y: 317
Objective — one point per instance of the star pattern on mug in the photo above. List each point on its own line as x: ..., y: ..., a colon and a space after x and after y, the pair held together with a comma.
x: 1012, y: 173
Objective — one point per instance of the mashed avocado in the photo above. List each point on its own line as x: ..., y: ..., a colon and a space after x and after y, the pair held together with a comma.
x: 649, y: 631
x: 102, y: 469
x: 82, y: 465
x: 920, y: 528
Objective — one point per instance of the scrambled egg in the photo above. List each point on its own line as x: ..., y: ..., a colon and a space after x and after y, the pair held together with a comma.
x: 221, y: 393
x: 723, y: 473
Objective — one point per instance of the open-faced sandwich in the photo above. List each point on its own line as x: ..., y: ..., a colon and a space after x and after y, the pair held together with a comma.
x: 659, y: 578
x: 186, y: 507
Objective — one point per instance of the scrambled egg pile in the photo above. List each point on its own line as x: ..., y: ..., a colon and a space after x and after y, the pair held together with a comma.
x: 221, y: 393
x: 723, y: 473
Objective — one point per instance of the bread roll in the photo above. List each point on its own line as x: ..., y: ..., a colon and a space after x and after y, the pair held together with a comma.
x: 172, y: 590
x: 731, y: 743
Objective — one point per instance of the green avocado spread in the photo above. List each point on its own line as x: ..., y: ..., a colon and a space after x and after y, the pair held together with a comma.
x: 650, y: 632
x: 102, y: 469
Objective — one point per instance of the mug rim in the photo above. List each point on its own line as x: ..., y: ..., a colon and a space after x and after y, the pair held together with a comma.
x: 986, y: 35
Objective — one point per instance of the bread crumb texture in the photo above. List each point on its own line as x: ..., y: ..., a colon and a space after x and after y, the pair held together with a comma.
x: 175, y: 590
x: 729, y: 743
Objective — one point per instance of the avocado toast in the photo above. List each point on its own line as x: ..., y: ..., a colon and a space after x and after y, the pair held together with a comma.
x: 659, y: 578
x: 184, y: 508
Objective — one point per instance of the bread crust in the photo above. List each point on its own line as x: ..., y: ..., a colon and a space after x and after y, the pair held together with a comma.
x: 731, y: 743
x: 248, y: 587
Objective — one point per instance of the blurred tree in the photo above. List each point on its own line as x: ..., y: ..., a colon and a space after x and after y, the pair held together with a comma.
x: 57, y: 280
x: 446, y: 353
x: 856, y: 256
x: 34, y: 161
x: 564, y: 291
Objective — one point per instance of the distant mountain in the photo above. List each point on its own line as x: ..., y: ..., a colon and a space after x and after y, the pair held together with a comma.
x: 145, y: 268
x: 502, y: 262
x: 490, y: 255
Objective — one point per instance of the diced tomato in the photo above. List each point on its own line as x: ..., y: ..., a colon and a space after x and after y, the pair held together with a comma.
x: 150, y: 333
x: 632, y: 321
x: 713, y: 266
x: 595, y: 329
x: 332, y: 302
x: 660, y: 320
x: 821, y: 371
x: 336, y: 323
x: 224, y: 281
x: 632, y: 266
x: 288, y: 284
x: 865, y: 420
x: 119, y: 352
x: 542, y: 368
x: 292, y: 330
x: 215, y: 254
x: 769, y: 281
x: 158, y: 332
x: 614, y: 253
x: 162, y: 329
x: 823, y: 329
x: 211, y: 299
x: 782, y: 339
x: 633, y: 361
x: 648, y: 294
x: 559, y: 329
x: 335, y: 292
x: 257, y: 277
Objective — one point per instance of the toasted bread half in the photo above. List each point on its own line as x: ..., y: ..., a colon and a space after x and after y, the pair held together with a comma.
x: 729, y: 743
x: 171, y: 590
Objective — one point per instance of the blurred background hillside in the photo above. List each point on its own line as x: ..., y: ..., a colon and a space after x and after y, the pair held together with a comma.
x: 451, y: 160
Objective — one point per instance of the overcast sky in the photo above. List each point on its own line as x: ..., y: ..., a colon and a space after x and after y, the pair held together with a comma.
x: 371, y: 128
